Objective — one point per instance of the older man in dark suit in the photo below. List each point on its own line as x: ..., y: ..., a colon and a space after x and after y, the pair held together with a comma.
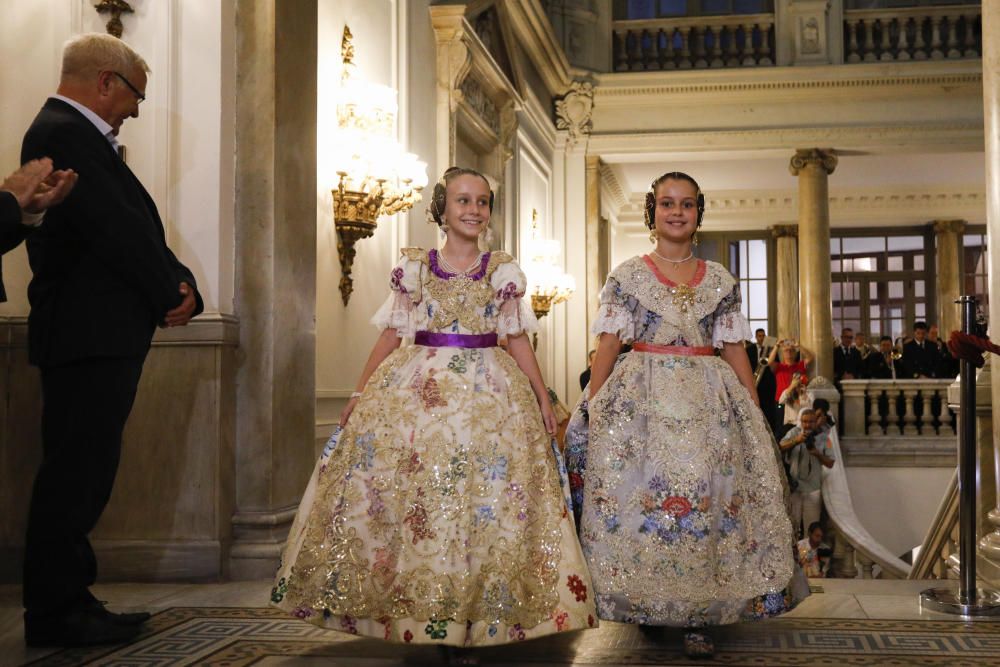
x: 24, y: 196
x: 103, y: 279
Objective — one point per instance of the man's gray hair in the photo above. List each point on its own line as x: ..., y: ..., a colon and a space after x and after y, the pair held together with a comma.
x: 86, y: 55
x: 805, y: 411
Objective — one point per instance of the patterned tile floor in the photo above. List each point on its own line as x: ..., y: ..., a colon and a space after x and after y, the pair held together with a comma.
x: 849, y: 623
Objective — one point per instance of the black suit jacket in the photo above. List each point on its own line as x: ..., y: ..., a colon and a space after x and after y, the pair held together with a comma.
x: 846, y: 363
x: 920, y: 360
x: 12, y: 232
x: 103, y: 276
x: 752, y: 354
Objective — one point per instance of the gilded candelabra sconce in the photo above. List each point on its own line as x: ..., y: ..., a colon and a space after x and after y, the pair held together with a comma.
x: 116, y: 8
x: 376, y: 175
x: 548, y: 284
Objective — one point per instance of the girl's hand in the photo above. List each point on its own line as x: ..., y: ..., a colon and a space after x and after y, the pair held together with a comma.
x: 548, y: 416
x: 345, y: 414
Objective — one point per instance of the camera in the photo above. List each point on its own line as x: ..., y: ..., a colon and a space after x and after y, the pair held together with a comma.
x: 810, y: 441
x: 824, y: 552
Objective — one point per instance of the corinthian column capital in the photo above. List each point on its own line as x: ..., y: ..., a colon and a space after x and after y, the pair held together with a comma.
x: 943, y: 226
x: 823, y: 157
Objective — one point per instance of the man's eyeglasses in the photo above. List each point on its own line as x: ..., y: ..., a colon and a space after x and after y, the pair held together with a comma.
x: 135, y: 91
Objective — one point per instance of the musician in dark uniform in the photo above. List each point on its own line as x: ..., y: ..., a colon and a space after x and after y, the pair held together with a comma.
x: 757, y: 352
x: 920, y: 356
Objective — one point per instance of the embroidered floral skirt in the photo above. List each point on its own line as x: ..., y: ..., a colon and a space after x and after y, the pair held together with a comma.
x: 684, y: 520
x: 438, y: 514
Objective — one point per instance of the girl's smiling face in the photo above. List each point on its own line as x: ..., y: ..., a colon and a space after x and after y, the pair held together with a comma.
x: 676, y: 210
x: 467, y: 206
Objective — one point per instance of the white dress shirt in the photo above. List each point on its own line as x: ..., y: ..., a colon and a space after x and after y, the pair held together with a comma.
x: 101, y: 125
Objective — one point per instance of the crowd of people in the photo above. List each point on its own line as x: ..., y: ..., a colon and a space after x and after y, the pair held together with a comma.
x: 802, y: 428
x: 920, y: 355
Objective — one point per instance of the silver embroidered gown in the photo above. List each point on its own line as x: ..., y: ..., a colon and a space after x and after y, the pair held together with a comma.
x: 437, y: 514
x: 683, y: 514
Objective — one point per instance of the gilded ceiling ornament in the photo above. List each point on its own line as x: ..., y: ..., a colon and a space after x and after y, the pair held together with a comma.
x: 116, y: 8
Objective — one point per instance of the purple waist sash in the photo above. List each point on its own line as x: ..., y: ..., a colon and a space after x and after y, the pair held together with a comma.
x: 433, y: 339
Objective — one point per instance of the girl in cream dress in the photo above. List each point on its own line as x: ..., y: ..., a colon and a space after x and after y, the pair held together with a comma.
x: 437, y: 514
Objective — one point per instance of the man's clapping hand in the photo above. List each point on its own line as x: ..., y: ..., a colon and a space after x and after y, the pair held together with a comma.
x: 37, y: 187
x: 181, y: 315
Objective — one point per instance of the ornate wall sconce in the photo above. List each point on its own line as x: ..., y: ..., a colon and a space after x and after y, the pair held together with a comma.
x: 376, y: 176
x: 116, y: 8
x: 548, y: 284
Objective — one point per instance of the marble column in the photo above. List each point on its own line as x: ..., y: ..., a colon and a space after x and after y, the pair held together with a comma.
x: 787, y: 280
x: 813, y: 167
x: 275, y: 275
x: 948, y: 269
x: 593, y: 236
x: 991, y: 109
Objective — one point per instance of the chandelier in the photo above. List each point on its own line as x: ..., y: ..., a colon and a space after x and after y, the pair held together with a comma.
x: 548, y: 284
x: 376, y: 176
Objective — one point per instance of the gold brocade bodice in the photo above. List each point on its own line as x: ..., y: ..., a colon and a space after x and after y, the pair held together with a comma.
x: 459, y: 303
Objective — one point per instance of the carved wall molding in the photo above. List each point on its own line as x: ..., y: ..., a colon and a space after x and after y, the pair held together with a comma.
x: 574, y: 112
x: 614, y: 87
x: 848, y: 208
x: 874, y: 139
x: 614, y: 186
x: 537, y: 38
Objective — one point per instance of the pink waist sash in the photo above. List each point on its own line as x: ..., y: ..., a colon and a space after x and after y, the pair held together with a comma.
x: 707, y: 351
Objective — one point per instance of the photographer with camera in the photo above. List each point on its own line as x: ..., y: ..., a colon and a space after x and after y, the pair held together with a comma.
x: 807, y: 451
x: 814, y: 554
x: 794, y: 359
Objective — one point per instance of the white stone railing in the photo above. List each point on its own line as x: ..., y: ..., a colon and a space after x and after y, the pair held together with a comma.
x: 856, y: 553
x: 919, y: 33
x: 693, y: 42
x: 893, y: 408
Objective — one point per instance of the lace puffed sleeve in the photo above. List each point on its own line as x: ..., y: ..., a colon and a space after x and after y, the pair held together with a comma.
x: 400, y: 310
x: 617, y: 312
x: 514, y: 315
x: 730, y: 325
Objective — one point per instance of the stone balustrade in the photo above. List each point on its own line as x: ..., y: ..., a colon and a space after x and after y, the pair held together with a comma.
x: 694, y: 42
x: 918, y: 33
x: 895, y: 408
x: 898, y: 423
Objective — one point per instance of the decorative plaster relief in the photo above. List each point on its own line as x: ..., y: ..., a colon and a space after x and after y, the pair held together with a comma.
x: 575, y: 110
x: 484, y: 107
x: 810, y: 36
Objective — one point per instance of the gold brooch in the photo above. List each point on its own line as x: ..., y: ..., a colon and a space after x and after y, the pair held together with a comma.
x: 683, y: 297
